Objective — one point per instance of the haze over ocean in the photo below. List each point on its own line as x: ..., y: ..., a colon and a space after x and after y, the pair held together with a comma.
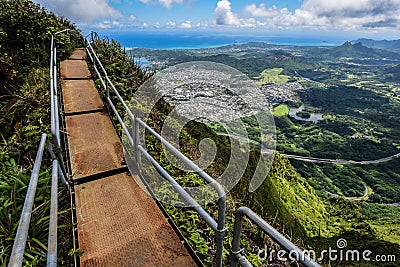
x: 179, y: 39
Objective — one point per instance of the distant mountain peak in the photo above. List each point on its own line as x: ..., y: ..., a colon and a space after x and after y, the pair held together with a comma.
x: 351, y: 45
x: 359, y: 50
x: 347, y: 44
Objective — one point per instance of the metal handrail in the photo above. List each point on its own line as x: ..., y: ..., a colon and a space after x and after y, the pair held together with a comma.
x: 55, y: 110
x: 58, y: 170
x: 55, y: 151
x: 217, y: 225
x: 237, y: 255
x: 17, y: 254
x: 52, y: 240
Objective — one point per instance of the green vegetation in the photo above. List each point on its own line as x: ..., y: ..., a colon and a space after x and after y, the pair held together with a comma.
x: 273, y: 76
x: 387, y: 229
x: 359, y: 125
x: 356, y: 88
x: 14, y: 183
x: 380, y: 211
x: 281, y: 110
x: 25, y: 33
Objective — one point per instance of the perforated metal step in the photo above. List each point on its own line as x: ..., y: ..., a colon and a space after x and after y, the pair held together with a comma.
x: 80, y: 96
x: 93, y: 144
x: 119, y: 224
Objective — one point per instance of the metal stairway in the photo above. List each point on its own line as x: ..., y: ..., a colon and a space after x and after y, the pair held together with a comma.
x: 118, y: 223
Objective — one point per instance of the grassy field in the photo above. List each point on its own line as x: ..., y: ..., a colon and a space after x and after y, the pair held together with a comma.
x: 387, y: 230
x: 281, y: 110
x: 273, y: 76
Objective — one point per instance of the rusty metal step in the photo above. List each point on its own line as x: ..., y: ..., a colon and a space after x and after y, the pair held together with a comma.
x: 120, y: 225
x: 74, y: 69
x: 80, y: 96
x: 78, y: 54
x: 94, y: 145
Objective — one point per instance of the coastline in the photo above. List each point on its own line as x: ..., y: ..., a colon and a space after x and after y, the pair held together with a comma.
x: 189, y: 40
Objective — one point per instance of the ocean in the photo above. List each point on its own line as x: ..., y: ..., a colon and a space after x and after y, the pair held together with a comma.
x: 195, y: 39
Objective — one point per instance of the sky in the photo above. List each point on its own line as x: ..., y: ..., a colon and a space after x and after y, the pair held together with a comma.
x: 372, y: 18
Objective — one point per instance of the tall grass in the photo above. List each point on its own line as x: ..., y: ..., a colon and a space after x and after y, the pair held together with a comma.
x: 24, y: 115
x: 13, y: 186
x: 14, y: 182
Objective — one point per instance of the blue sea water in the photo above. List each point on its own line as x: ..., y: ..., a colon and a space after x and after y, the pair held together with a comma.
x: 176, y: 39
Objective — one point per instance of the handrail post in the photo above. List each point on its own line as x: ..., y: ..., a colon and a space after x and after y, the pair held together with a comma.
x: 18, y: 250
x: 55, y: 121
x: 221, y: 230
x: 53, y: 124
x: 56, y: 107
x: 107, y: 87
x: 236, y: 252
x: 137, y: 143
x: 52, y: 241
x: 60, y: 166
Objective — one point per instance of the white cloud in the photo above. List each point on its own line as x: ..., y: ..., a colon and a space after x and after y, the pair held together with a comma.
x: 186, y: 25
x: 224, y: 15
x: 169, y: 3
x: 339, y: 13
x: 261, y: 11
x: 171, y: 24
x: 356, y: 14
x: 165, y: 3
x: 248, y: 23
x: 81, y: 11
x: 109, y: 24
x: 132, y: 18
x: 349, y: 9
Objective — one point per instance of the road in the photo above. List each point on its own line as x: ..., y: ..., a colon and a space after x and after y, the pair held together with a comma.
x: 315, y: 160
x: 393, y: 204
x: 364, y: 197
x: 341, y: 161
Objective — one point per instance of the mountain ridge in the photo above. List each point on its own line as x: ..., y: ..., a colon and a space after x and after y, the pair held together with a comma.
x: 359, y: 50
x: 389, y: 45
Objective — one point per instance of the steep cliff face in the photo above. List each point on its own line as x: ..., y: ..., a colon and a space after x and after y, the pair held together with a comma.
x: 288, y: 200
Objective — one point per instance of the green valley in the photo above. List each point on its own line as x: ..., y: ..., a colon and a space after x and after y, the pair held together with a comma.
x: 356, y: 90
